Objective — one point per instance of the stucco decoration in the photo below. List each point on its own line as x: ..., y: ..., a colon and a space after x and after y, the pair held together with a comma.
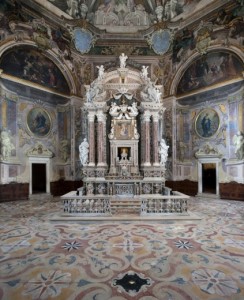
x: 39, y: 150
x: 208, y: 150
x: 160, y: 41
x: 83, y: 40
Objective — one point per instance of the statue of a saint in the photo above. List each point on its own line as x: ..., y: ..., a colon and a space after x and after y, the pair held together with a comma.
x: 84, y: 151
x: 123, y: 59
x: 163, y: 152
x: 238, y: 141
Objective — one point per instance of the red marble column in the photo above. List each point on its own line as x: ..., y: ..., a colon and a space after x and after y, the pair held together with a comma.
x: 91, y: 133
x: 101, y: 139
x: 146, y: 120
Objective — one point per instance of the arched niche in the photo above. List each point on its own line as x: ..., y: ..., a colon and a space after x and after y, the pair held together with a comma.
x: 183, y: 68
x: 37, y: 68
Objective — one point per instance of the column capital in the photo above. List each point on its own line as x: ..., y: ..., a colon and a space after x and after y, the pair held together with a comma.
x: 146, y: 116
x: 91, y: 116
x: 101, y: 117
x: 155, y: 116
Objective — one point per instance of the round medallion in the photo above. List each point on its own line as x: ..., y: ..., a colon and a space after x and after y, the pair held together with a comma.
x: 207, y: 123
x: 39, y: 122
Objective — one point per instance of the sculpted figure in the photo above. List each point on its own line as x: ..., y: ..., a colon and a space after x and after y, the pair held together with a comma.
x: 100, y: 71
x: 6, y: 144
x: 133, y: 110
x: 163, y: 152
x: 123, y: 59
x: 144, y: 71
x: 84, y: 151
x: 238, y: 141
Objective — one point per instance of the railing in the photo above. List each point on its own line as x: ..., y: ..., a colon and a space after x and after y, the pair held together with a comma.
x: 86, y: 205
x: 151, y: 204
x: 159, y: 204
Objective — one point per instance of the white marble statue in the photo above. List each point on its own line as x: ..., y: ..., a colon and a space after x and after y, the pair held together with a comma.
x: 6, y: 144
x: 100, y: 71
x: 238, y: 141
x: 157, y: 95
x: 122, y: 60
x: 163, y: 152
x: 133, y: 110
x: 84, y: 151
x: 114, y: 109
x: 92, y: 92
x: 144, y: 72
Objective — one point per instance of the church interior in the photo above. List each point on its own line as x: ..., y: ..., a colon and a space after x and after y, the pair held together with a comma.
x: 121, y: 149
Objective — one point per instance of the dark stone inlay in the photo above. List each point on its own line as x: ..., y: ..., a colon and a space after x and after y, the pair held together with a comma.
x: 131, y: 282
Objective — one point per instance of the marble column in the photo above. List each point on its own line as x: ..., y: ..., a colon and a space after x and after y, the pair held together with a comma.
x: 101, y: 139
x: 155, y: 139
x: 91, y: 133
x: 147, y: 146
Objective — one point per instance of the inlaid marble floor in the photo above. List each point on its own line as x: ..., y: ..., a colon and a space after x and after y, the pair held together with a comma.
x: 115, y: 260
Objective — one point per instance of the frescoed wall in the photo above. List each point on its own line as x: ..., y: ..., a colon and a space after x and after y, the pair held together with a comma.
x: 208, y: 70
x: 29, y: 64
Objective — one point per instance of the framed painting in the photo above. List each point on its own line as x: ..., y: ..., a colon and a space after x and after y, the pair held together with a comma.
x: 207, y: 123
x: 123, y: 129
x: 39, y: 122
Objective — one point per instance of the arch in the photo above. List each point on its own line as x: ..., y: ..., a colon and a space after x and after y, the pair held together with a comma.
x: 183, y: 68
x: 49, y: 55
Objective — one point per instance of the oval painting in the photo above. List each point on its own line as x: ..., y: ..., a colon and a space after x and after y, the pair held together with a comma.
x: 39, y: 122
x: 207, y: 123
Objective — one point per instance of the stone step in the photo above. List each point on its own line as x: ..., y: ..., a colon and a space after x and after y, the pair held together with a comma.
x: 125, y: 206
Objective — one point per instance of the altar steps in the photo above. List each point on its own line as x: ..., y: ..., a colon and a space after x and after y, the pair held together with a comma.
x: 125, y: 206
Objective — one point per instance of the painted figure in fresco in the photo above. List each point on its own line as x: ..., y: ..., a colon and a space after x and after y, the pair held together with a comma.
x: 163, y: 152
x: 84, y: 151
x: 6, y: 144
x: 64, y: 150
x: 238, y: 141
x: 39, y: 123
x: 206, y: 125
x: 123, y: 59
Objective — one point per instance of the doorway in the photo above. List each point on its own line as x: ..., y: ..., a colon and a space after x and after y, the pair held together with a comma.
x: 38, y: 178
x: 209, y: 178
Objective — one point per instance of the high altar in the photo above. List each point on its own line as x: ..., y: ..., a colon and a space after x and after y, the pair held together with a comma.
x: 123, y: 155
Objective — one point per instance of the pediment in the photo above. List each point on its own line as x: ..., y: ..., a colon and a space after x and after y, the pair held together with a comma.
x: 39, y: 150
